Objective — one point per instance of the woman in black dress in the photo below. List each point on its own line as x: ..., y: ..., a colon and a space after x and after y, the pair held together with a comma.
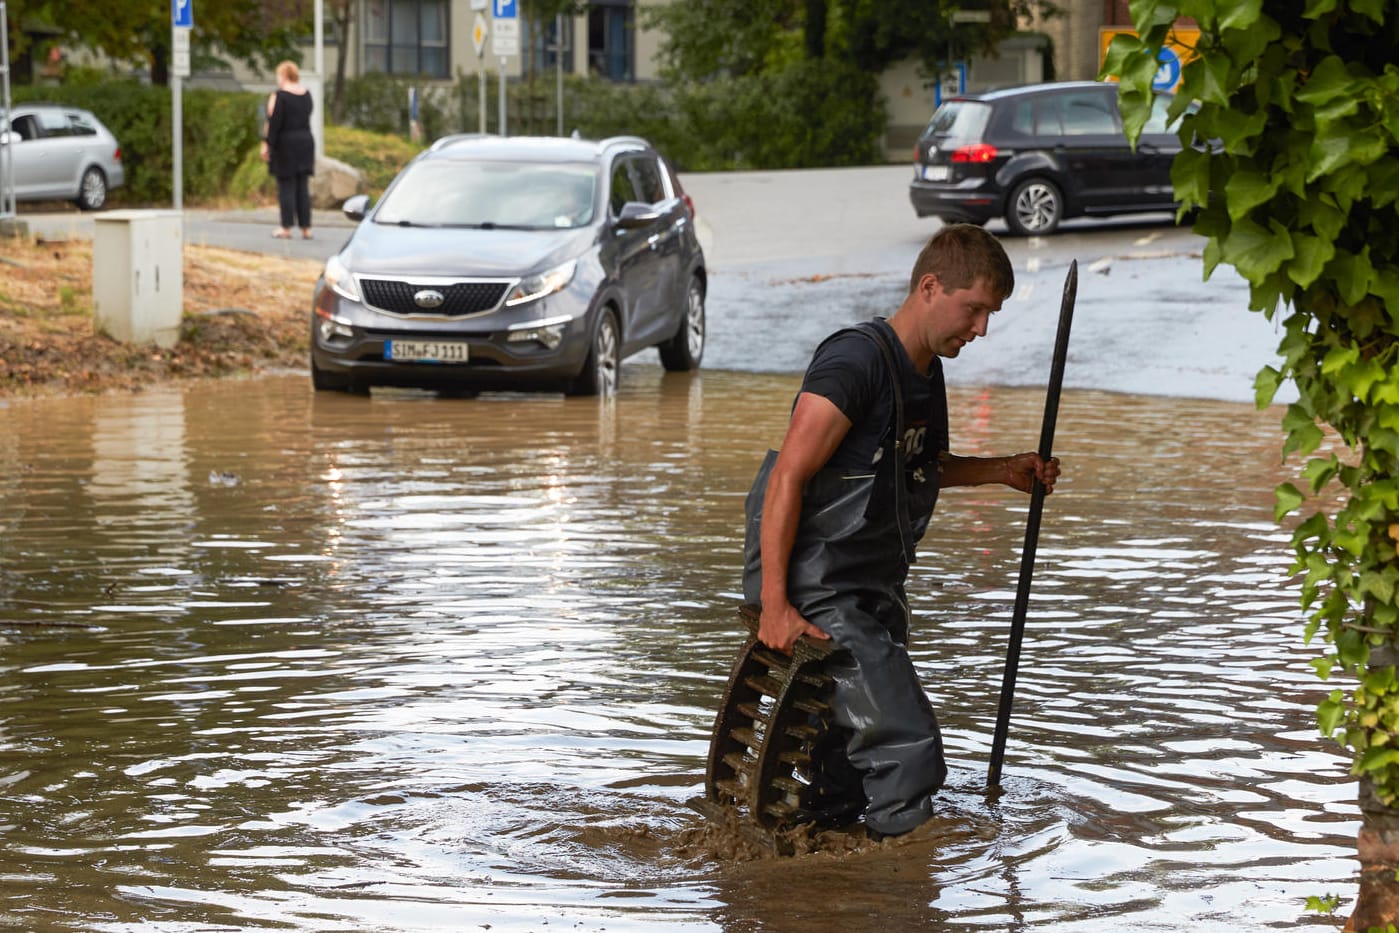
x: 290, y: 150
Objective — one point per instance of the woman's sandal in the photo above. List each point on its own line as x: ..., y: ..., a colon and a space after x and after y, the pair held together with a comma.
x: 281, y: 234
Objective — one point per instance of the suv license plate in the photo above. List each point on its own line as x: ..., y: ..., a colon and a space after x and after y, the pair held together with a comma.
x: 425, y: 351
x: 935, y: 173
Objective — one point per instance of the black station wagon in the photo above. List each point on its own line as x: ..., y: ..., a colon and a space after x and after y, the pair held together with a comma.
x: 1039, y: 154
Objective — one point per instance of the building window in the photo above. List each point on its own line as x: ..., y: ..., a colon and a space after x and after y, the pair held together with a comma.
x: 407, y: 37
x: 544, y: 47
x: 611, y: 49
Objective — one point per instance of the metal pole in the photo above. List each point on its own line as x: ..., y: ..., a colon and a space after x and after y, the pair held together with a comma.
x: 501, y: 121
x: 481, y: 90
x: 1032, y: 528
x: 558, y: 66
x: 177, y: 113
x: 7, y: 165
x: 320, y: 37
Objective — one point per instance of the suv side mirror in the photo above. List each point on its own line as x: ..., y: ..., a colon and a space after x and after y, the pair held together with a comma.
x: 636, y: 214
x: 356, y: 207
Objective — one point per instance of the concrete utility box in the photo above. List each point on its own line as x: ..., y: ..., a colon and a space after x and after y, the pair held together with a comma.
x: 138, y: 275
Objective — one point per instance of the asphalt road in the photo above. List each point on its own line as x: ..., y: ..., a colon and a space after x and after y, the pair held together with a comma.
x: 795, y: 254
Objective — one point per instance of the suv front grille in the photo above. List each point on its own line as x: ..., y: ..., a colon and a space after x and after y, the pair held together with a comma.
x: 459, y: 298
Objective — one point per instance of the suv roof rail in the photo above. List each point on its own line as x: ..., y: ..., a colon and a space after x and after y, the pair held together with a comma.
x: 456, y: 138
x: 623, y: 141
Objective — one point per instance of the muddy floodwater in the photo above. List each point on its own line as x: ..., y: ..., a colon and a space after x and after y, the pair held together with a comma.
x: 274, y: 660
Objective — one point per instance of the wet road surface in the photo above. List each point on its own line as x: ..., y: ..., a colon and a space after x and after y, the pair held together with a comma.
x: 273, y: 660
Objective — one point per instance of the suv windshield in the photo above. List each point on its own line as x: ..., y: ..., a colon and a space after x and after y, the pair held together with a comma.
x: 458, y: 193
x: 961, y: 119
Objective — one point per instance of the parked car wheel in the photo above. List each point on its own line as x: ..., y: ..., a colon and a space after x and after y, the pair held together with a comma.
x: 92, y: 191
x: 601, y: 373
x: 683, y: 352
x: 1036, y: 207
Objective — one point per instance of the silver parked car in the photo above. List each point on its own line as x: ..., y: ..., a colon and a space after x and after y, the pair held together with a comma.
x: 60, y: 153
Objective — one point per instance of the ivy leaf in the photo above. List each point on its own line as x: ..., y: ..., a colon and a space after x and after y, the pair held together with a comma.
x: 1327, y: 80
x: 1322, y: 215
x: 1338, y: 358
x: 1378, y: 585
x: 1352, y: 274
x: 1375, y: 9
x: 1240, y: 14
x: 1254, y: 251
x: 1330, y: 712
x: 1312, y: 255
x: 1318, y: 8
x: 1190, y: 176
x: 1341, y: 146
x: 1247, y: 43
x: 1249, y: 188
x: 1376, y: 759
x: 1214, y: 78
x: 1289, y: 498
x: 1122, y: 47
x: 1320, y: 471
x: 1148, y: 13
x: 1265, y: 386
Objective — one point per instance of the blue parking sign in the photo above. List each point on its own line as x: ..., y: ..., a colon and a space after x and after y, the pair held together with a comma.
x: 1167, y: 70
x: 182, y: 13
x: 504, y: 9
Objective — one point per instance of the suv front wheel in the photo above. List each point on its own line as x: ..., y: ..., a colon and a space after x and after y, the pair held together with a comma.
x: 602, y: 371
x: 1035, y: 208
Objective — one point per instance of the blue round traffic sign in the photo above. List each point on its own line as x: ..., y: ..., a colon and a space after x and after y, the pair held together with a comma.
x: 1167, y: 72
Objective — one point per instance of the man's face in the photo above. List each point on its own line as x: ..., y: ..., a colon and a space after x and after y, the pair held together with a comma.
x: 959, y: 317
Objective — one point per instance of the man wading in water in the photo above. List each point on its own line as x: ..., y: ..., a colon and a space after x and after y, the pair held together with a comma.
x: 839, y: 519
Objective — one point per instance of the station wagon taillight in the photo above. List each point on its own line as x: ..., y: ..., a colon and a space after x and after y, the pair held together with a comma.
x: 979, y: 152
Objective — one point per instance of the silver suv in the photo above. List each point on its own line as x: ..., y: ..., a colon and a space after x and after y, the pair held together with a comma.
x: 59, y: 153
x: 513, y: 263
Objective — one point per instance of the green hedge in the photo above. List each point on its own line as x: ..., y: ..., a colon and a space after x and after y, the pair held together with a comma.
x: 219, y: 128
x: 811, y: 114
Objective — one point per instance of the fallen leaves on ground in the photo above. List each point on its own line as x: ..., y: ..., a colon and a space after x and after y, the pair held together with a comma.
x: 244, y: 313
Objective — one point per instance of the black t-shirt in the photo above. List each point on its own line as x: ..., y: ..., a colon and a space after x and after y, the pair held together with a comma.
x: 849, y: 369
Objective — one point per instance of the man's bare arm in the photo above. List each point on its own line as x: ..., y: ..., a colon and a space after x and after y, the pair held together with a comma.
x: 815, y: 431
x: 1018, y: 472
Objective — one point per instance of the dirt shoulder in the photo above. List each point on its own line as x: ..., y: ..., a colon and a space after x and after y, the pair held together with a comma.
x: 244, y: 313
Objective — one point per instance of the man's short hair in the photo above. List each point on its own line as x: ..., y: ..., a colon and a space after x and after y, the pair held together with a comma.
x: 960, y: 255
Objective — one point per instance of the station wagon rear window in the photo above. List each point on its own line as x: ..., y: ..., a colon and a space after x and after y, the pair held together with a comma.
x: 960, y: 119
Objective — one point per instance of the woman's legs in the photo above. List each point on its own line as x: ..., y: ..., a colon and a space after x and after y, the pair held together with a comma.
x: 303, y: 203
x: 286, y: 200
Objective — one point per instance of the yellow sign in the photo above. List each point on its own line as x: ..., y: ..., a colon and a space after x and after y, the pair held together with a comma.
x: 478, y: 33
x: 1178, y: 50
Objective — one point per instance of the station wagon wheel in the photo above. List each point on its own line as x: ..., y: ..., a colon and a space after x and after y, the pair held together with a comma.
x: 1035, y: 208
x: 683, y: 352
x: 602, y: 371
x: 92, y: 190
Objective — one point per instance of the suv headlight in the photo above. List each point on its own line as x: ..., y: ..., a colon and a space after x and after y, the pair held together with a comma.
x: 337, y: 276
x: 533, y: 287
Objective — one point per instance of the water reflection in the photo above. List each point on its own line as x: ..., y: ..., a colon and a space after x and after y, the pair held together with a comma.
x: 272, y: 660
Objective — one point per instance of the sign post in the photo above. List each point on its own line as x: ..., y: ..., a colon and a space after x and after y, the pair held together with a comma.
x: 181, y: 24
x: 478, y: 41
x: 7, y: 165
x: 505, y: 42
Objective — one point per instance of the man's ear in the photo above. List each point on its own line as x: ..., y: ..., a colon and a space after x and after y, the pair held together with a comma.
x: 929, y: 286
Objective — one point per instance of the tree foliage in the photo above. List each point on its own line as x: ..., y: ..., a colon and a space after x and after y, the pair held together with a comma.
x: 258, y: 32
x: 1293, y: 165
x: 710, y: 38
